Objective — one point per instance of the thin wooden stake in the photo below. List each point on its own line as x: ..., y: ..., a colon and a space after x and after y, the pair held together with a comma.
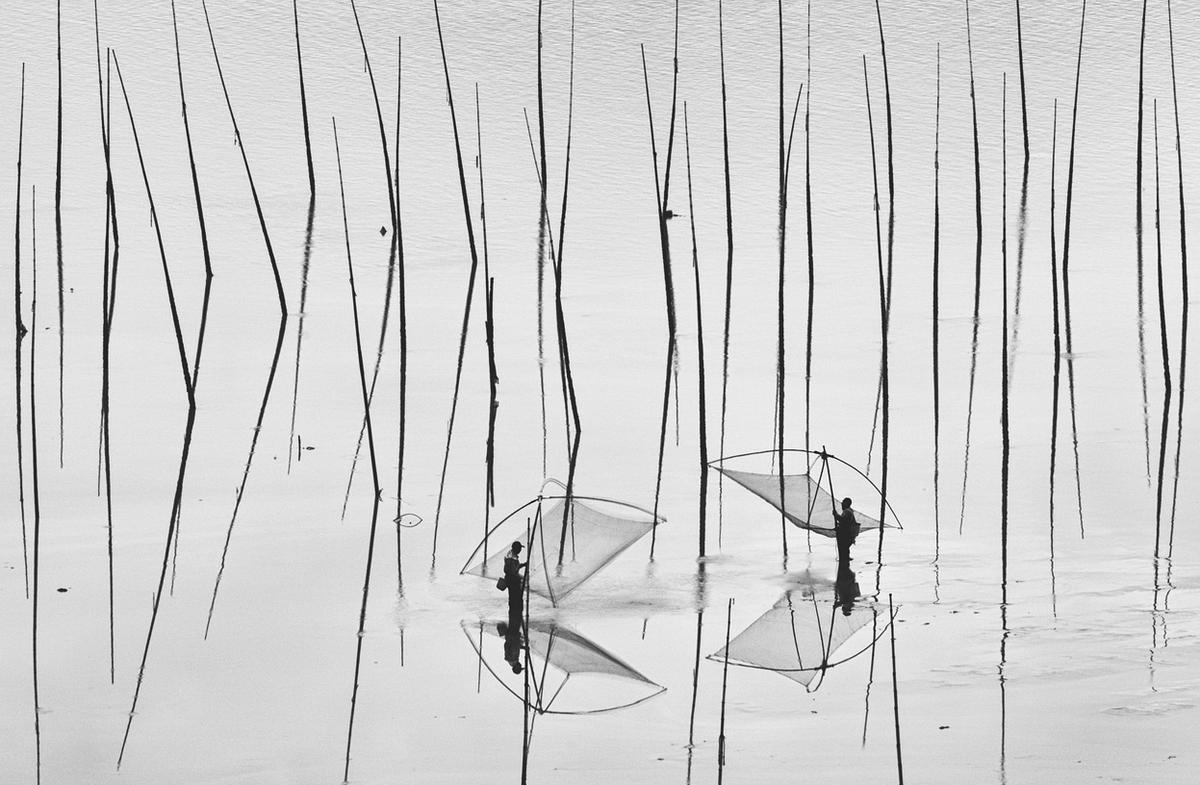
x: 1166, y: 356
x: 1066, y: 269
x: 58, y: 223
x: 1186, y: 294
x: 189, y: 388
x: 729, y: 263
x: 283, y: 314
x: 1137, y: 195
x: 37, y: 507
x: 978, y: 274
x: 701, y: 404
x: 293, y: 447
x: 462, y: 342
x: 366, y: 399
x: 391, y: 275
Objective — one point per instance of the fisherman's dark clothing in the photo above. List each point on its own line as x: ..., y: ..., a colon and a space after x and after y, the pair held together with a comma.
x: 846, y: 530
x: 515, y: 584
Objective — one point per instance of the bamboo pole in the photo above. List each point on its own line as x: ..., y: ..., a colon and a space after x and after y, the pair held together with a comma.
x: 376, y: 490
x: 308, y: 232
x: 1186, y: 293
x: 462, y: 343
x: 283, y: 314
x: 978, y: 273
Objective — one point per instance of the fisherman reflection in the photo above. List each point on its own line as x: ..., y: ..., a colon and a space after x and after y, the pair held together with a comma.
x: 846, y: 588
x: 511, y: 632
x: 514, y: 583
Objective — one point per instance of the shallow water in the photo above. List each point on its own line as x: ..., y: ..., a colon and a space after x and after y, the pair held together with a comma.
x: 1086, y: 674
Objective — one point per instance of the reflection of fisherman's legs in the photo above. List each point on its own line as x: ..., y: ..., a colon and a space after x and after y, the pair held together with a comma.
x: 843, y: 547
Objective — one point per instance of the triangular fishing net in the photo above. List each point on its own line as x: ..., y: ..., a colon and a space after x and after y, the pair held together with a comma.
x: 596, y: 532
x: 569, y: 673
x: 807, y: 498
x: 801, y: 637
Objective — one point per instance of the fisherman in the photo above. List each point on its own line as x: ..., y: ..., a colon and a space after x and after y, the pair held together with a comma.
x: 846, y: 529
x: 514, y: 581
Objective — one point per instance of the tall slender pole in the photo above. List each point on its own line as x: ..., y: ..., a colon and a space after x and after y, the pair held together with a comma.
x: 702, y: 405
x: 462, y: 341
x: 1186, y: 294
x: 728, y: 268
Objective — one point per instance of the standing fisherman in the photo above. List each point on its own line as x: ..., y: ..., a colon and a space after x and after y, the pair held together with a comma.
x: 514, y: 582
x: 846, y: 529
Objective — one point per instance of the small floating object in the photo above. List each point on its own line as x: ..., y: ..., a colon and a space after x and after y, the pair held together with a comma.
x: 408, y: 520
x: 62, y: 590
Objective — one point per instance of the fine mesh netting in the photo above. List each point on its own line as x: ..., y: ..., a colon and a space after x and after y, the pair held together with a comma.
x: 804, y: 503
x: 596, y: 532
x: 801, y: 636
x: 569, y: 673
x: 808, y: 498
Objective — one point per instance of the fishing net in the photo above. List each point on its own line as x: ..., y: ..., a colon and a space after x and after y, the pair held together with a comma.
x: 808, y: 498
x: 563, y: 551
x: 569, y: 674
x: 801, y: 637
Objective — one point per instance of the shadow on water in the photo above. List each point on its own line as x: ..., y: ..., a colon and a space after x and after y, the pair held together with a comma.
x: 808, y: 631
x: 1183, y: 336
x: 700, y: 601
x: 189, y: 388
x: 391, y: 267
x: 1023, y: 210
x: 308, y: 233
x: 366, y: 400
x: 262, y: 409
x: 1056, y: 384
x: 208, y: 277
x: 661, y: 193
x: 883, y: 329
x: 691, y: 745
x: 573, y: 428
x: 462, y: 341
x: 1003, y: 680
x: 489, y: 331
x: 1066, y: 280
x: 978, y: 273
x: 112, y: 253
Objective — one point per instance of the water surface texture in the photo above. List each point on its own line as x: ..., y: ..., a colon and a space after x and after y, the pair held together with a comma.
x: 1059, y: 644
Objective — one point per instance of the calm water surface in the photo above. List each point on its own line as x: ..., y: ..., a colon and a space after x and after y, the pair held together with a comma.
x: 1088, y: 672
